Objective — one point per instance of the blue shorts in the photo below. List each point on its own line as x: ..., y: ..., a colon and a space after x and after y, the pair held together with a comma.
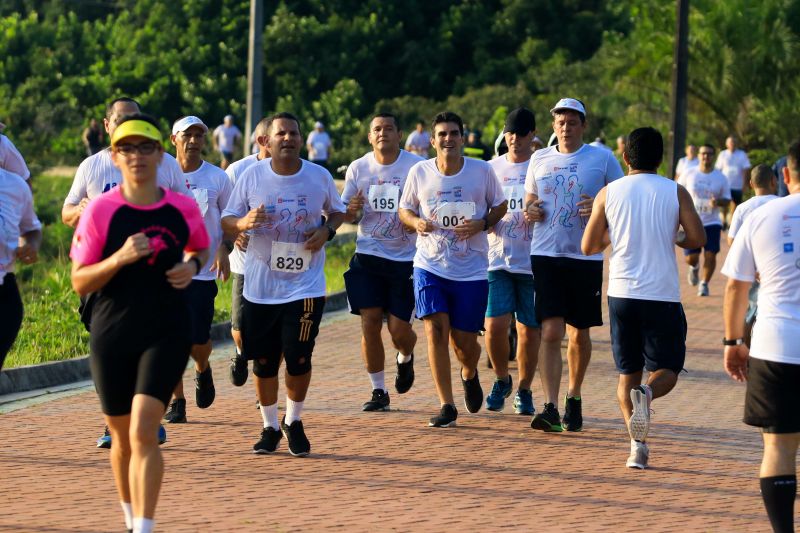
x: 374, y: 281
x: 736, y: 196
x: 464, y: 301
x: 512, y: 293
x: 227, y: 156
x: 200, y: 296
x: 712, y: 240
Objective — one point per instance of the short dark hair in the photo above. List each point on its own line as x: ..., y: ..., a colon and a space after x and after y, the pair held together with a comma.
x: 110, y: 106
x: 448, y: 116
x: 282, y: 114
x: 761, y: 176
x: 793, y: 160
x: 262, y: 128
x: 706, y: 145
x: 387, y: 115
x: 139, y: 116
x: 645, y: 148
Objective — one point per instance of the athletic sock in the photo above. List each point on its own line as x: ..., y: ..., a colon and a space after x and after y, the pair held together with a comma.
x: 378, y: 380
x: 143, y: 525
x: 778, y: 493
x: 238, y: 351
x: 127, y: 509
x: 402, y: 359
x: 293, y: 410
x: 270, y: 415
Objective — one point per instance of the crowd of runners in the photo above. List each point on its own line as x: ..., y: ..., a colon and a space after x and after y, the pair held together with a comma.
x: 513, y: 247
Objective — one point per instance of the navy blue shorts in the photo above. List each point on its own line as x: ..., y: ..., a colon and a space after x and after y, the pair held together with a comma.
x: 374, y: 281
x: 736, y: 196
x: 712, y: 240
x: 200, y: 296
x: 647, y: 334
x: 227, y: 156
x: 464, y: 301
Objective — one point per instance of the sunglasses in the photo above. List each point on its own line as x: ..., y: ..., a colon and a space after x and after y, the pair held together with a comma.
x: 145, y: 148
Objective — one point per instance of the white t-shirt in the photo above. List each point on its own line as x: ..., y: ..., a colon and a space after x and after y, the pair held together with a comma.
x: 560, y: 180
x: 236, y: 257
x: 510, y: 239
x: 768, y: 243
x: 732, y: 165
x: 744, y: 209
x: 686, y: 164
x: 211, y: 188
x: 226, y: 137
x: 380, y: 232
x: 448, y: 201
x: 16, y: 217
x: 278, y: 269
x: 11, y: 159
x: 97, y: 174
x: 419, y: 143
x: 704, y: 188
x: 320, y: 142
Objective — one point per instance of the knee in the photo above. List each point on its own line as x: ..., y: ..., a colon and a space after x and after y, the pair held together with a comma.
x: 298, y: 365
x: 436, y: 331
x: 400, y: 331
x: 496, y: 328
x: 371, y: 324
x: 143, y: 436
x: 266, y: 367
x: 552, y: 333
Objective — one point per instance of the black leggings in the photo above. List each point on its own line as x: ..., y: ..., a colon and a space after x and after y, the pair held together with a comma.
x: 11, y: 304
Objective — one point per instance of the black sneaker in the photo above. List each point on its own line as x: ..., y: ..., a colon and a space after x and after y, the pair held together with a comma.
x: 405, y: 376
x: 379, y: 401
x: 446, y: 417
x: 204, y: 391
x: 270, y: 438
x: 548, y: 420
x: 238, y: 370
x: 473, y: 393
x: 296, y: 437
x: 176, y: 414
x: 573, y: 415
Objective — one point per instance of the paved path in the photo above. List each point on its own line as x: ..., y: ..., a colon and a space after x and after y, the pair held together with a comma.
x: 389, y: 472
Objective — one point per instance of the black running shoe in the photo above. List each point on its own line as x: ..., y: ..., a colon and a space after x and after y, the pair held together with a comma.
x: 204, y: 391
x: 238, y: 370
x: 573, y: 415
x: 548, y: 420
x: 446, y: 417
x: 405, y: 376
x: 270, y: 438
x: 296, y: 437
x: 379, y: 401
x: 176, y: 414
x: 473, y: 393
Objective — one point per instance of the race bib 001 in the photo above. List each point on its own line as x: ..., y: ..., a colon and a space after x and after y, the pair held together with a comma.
x: 289, y: 257
x: 384, y: 198
x: 451, y: 214
x: 515, y: 195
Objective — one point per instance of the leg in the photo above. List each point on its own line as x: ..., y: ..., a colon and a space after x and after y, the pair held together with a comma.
x: 693, y: 260
x: 403, y: 337
x: 371, y: 343
x: 550, y: 361
x: 437, y: 330
x: 709, y: 265
x: 579, y: 352
x: 120, y: 454
x: 297, y: 386
x: 467, y: 350
x: 11, y: 303
x: 528, y: 340
x: 779, y: 479
x: 626, y: 383
x: 146, y: 464
x: 201, y: 353
x: 266, y: 387
x: 497, y: 345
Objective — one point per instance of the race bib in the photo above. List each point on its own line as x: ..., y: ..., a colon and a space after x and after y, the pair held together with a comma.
x: 289, y: 257
x: 704, y: 206
x: 451, y: 214
x: 384, y: 198
x: 515, y: 195
x: 201, y: 197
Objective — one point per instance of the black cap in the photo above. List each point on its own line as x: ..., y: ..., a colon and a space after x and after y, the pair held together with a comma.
x: 520, y: 121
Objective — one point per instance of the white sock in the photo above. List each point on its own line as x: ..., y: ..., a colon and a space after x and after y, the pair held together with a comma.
x: 143, y: 525
x: 270, y: 415
x: 695, y: 267
x: 378, y: 380
x: 127, y: 509
x: 293, y: 410
x: 403, y: 358
x: 238, y: 351
x: 703, y: 282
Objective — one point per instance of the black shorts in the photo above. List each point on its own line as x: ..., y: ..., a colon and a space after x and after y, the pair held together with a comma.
x: 288, y: 329
x: 736, y: 196
x: 568, y: 288
x: 772, y: 401
x: 647, y: 334
x: 237, y: 286
x: 375, y: 281
x: 11, y: 304
x: 200, y: 296
x: 227, y: 156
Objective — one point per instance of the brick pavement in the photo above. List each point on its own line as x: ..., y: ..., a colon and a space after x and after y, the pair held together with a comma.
x: 389, y: 472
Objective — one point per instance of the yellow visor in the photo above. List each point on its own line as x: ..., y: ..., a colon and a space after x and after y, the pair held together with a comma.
x: 131, y: 128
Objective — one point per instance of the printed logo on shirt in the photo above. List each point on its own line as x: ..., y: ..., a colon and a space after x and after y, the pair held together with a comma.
x: 787, y: 231
x: 788, y: 247
x: 160, y: 239
x: 302, y: 200
x: 457, y: 191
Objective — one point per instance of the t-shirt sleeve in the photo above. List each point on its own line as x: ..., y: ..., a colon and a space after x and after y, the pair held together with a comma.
x: 29, y: 221
x: 736, y: 221
x: 237, y: 203
x: 78, y: 190
x: 613, y: 168
x: 494, y: 192
x: 719, y: 163
x: 225, y: 191
x: 745, y: 160
x: 89, y: 238
x: 198, y: 236
x: 177, y: 182
x: 333, y: 203
x: 13, y: 160
x: 410, y: 140
x: 350, y: 185
x: 409, y: 199
x: 530, y: 180
x: 740, y: 263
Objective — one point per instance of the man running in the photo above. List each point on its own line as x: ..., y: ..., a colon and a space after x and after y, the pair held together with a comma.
x: 638, y: 215
x: 419, y: 141
x: 560, y: 186
x: 451, y: 201
x: 735, y: 165
x: 226, y: 139
x: 379, y: 281
x: 283, y: 200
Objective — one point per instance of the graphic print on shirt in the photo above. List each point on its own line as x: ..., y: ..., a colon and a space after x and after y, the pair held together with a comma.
x: 287, y: 221
x: 380, y: 222
x: 566, y: 190
x: 513, y: 224
x: 448, y: 210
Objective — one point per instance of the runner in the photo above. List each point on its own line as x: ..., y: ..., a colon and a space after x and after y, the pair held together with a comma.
x: 709, y: 190
x: 735, y: 165
x: 226, y: 140
x: 137, y: 248
x: 510, y: 280
x: 560, y: 185
x: 212, y: 190
x: 11, y: 160
x: 687, y: 162
x: 451, y: 201
x: 419, y: 141
x: 767, y: 244
x: 283, y: 200
x: 638, y: 216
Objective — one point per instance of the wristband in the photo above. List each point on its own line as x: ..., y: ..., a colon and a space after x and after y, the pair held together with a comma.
x: 197, y: 264
x: 485, y: 224
x: 331, y: 232
x: 732, y: 342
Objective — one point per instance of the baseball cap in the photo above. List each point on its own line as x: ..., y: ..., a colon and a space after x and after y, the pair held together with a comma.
x: 569, y: 103
x: 318, y: 124
x: 183, y: 124
x: 520, y: 121
x: 133, y: 127
x: 228, y: 117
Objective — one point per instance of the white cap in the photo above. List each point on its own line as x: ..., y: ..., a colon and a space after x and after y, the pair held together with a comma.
x: 228, y: 117
x: 183, y: 124
x: 318, y: 125
x: 569, y: 103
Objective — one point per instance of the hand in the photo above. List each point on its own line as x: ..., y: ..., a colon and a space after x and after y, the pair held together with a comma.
x: 355, y: 204
x: 82, y: 205
x: 242, y: 240
x: 736, y: 361
x: 255, y: 218
x: 317, y: 238
x: 221, y: 265
x: 585, y: 205
x: 136, y: 246
x: 180, y: 276
x: 27, y: 254
x: 534, y: 211
x: 423, y: 226
x: 468, y: 228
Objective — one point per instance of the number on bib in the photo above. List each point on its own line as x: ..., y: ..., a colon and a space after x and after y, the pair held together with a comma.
x: 384, y: 198
x: 515, y: 194
x: 289, y: 257
x: 451, y: 214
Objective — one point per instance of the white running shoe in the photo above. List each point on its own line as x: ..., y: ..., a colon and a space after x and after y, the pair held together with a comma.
x: 694, y: 275
x: 703, y: 289
x: 640, y: 453
x: 640, y: 418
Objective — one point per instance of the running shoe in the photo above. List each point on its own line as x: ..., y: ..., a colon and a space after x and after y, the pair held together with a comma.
x: 500, y: 391
x: 640, y: 453
x: 270, y: 437
x: 176, y: 414
x: 204, y: 391
x: 162, y: 434
x: 639, y: 425
x: 296, y: 437
x: 548, y: 420
x: 523, y: 402
x: 573, y: 414
x: 473, y: 393
x: 694, y: 275
x: 703, y: 289
x: 379, y: 401
x: 238, y: 370
x: 405, y: 376
x: 446, y: 417
x: 104, y: 441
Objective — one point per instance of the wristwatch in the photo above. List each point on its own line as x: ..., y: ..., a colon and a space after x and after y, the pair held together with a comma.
x: 331, y: 232
x: 485, y: 223
x: 732, y: 342
x: 194, y: 259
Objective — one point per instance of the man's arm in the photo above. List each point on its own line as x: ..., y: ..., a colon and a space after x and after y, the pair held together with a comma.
x: 694, y: 235
x: 595, y: 237
x: 533, y: 209
x: 71, y: 214
x: 734, y: 310
x: 413, y: 222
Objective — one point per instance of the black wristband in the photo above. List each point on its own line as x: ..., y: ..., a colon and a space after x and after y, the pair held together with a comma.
x: 732, y: 342
x: 331, y: 232
x: 197, y: 264
x: 485, y: 224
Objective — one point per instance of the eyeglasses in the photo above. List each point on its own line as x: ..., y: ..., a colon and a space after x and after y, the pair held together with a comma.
x: 706, y: 153
x: 145, y: 148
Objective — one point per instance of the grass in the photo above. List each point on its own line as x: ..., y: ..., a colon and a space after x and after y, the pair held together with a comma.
x: 51, y: 329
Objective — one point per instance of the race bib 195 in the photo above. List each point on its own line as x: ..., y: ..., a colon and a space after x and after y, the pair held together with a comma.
x: 384, y: 198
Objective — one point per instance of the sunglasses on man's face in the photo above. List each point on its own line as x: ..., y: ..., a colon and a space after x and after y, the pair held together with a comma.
x: 145, y: 148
